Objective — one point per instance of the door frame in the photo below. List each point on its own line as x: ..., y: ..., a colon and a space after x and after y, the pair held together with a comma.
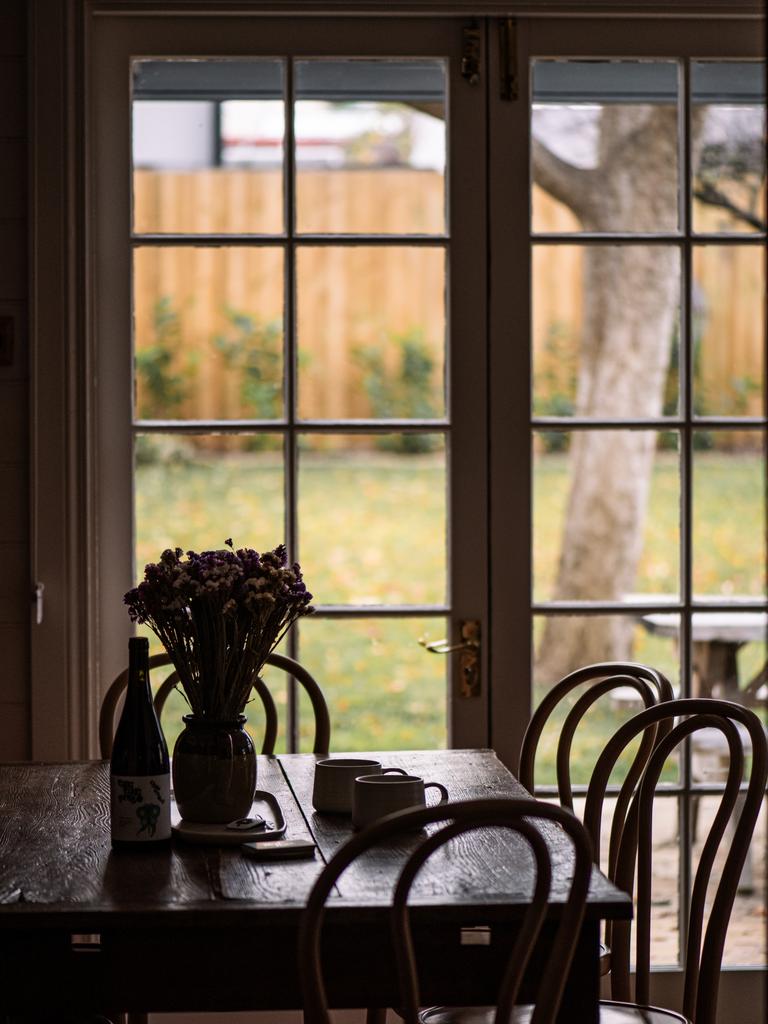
x: 111, y: 44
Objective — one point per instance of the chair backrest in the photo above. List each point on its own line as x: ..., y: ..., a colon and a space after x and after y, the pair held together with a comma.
x: 741, y: 729
x: 465, y: 816
x: 322, y: 739
x: 652, y: 688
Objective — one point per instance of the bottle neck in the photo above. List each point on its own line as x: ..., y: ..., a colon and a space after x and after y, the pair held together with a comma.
x: 138, y: 672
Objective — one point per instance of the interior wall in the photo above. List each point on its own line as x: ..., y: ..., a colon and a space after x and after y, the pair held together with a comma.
x: 14, y: 387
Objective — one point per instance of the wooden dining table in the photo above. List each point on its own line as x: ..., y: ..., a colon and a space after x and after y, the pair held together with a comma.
x: 203, y: 928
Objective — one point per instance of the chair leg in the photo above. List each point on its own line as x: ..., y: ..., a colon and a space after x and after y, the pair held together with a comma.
x: 376, y: 1015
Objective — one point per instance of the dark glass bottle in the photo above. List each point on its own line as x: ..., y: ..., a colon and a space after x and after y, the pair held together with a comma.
x: 139, y: 774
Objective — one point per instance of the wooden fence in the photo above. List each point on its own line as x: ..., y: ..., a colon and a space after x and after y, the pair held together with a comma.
x: 198, y: 309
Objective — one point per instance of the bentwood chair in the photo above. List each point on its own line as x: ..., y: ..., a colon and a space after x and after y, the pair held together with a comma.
x: 601, y: 680
x: 741, y: 728
x: 459, y: 818
x: 289, y: 665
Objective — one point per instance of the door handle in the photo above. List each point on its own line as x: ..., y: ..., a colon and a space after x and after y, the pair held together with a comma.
x: 38, y: 597
x: 469, y: 660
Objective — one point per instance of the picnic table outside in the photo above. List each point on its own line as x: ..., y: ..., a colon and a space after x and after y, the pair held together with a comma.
x: 716, y: 638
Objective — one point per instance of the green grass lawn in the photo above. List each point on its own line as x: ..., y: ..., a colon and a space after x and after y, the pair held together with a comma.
x: 728, y: 534
x: 376, y: 534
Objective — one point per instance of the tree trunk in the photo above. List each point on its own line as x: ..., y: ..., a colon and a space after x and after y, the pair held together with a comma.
x: 631, y: 302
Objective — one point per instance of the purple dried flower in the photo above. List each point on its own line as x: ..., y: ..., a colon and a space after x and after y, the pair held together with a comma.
x: 219, y: 614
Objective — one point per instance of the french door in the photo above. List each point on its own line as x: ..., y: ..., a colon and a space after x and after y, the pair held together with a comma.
x: 289, y: 329
x: 627, y: 357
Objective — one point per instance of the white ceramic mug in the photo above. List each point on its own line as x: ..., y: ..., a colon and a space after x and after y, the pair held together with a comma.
x: 377, y: 795
x: 335, y: 777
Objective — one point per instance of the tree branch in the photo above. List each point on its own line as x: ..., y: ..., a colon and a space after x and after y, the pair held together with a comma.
x: 712, y: 196
x: 568, y: 184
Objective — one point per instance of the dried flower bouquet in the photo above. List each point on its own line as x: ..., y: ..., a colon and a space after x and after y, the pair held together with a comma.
x: 219, y: 614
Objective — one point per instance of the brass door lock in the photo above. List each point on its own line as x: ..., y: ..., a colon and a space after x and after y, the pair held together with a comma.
x: 469, y: 656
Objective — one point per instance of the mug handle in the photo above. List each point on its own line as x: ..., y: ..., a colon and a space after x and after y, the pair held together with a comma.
x: 443, y: 791
x: 389, y: 771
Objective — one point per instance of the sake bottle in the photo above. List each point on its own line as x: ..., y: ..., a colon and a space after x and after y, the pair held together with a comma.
x: 140, y: 772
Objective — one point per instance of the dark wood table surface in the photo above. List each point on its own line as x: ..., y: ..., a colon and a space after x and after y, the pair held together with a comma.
x: 204, y: 928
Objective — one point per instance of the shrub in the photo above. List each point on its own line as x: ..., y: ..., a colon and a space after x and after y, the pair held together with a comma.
x: 401, y: 389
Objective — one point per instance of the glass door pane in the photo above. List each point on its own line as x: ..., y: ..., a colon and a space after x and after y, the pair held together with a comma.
x: 208, y: 146
x: 371, y: 146
x: 728, y: 165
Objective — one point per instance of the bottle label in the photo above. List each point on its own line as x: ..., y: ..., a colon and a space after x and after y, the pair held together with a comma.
x: 141, y: 807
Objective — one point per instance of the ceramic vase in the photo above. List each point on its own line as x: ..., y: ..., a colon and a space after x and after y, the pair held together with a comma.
x: 214, y: 770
